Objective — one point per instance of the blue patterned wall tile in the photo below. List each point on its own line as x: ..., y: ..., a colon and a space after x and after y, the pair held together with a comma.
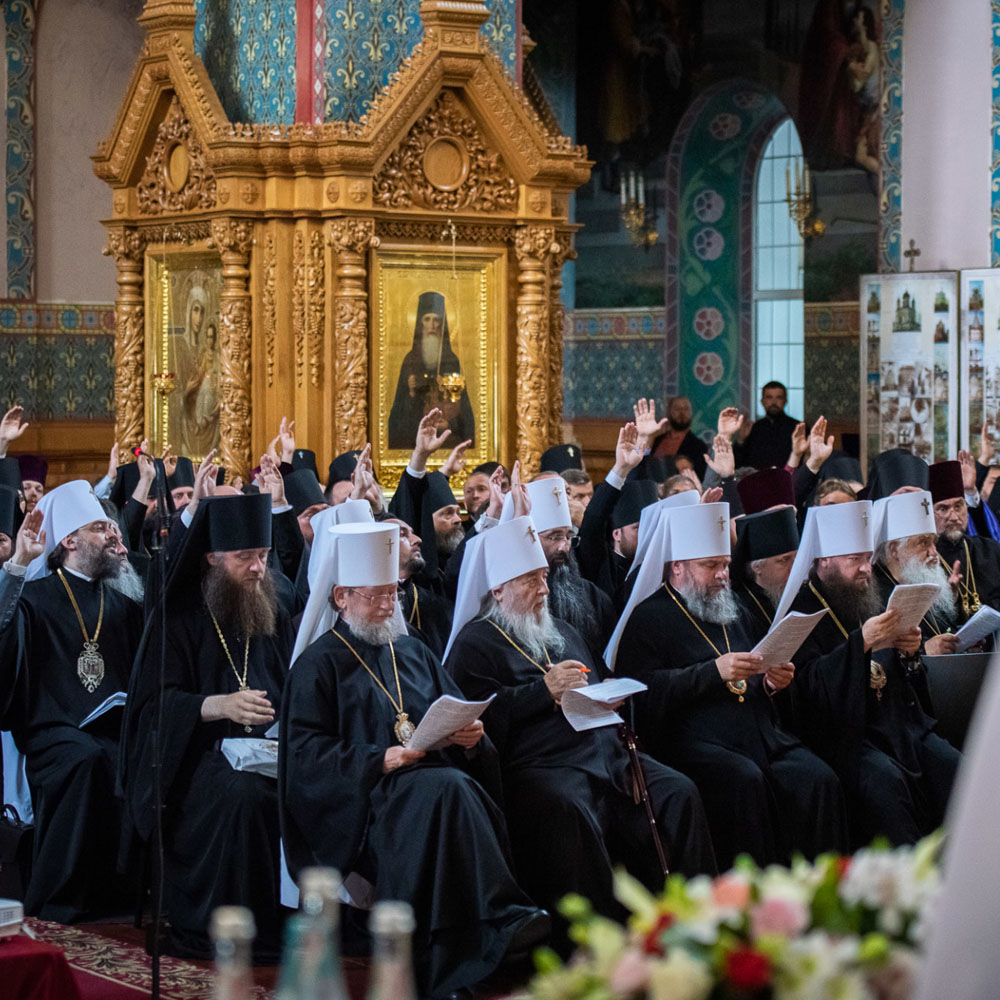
x: 891, y: 203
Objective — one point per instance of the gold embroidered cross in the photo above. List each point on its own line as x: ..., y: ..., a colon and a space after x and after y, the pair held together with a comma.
x: 531, y: 531
x: 557, y: 493
x: 722, y: 524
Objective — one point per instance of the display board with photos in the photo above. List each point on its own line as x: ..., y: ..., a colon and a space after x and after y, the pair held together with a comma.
x: 909, y: 364
x: 980, y: 357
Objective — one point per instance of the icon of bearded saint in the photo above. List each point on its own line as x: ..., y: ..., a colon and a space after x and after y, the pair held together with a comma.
x: 417, y: 390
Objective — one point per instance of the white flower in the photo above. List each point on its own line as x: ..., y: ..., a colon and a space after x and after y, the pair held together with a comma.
x: 819, y: 967
x: 679, y: 977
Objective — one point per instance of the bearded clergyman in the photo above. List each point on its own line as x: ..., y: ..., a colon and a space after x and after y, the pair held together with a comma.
x: 709, y: 709
x: 227, y: 648
x: 905, y: 537
x: 561, y: 787
x: 405, y: 824
x: 860, y: 697
x: 69, y: 645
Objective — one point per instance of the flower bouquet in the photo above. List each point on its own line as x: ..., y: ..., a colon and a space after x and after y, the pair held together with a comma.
x: 840, y: 928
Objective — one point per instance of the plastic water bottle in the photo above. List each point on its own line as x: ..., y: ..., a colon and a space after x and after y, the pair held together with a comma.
x: 233, y: 930
x: 391, y: 925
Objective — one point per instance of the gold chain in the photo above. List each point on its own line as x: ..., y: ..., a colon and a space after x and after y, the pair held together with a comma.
x: 415, y: 610
x: 76, y: 608
x: 521, y: 651
x: 739, y: 688
x: 822, y: 600
x: 968, y: 591
x: 770, y: 620
x: 398, y: 706
x: 246, y: 654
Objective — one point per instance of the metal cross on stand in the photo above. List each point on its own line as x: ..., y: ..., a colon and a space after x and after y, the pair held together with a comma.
x: 912, y: 254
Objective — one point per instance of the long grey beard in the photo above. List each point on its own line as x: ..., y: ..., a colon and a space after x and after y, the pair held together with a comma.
x: 536, y: 633
x: 376, y: 633
x: 719, y: 609
x: 568, y: 595
x: 128, y: 582
x: 451, y: 541
x: 916, y: 571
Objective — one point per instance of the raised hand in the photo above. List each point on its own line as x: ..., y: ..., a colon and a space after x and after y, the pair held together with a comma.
x: 800, y: 444
x: 113, y: 462
x: 286, y: 439
x: 723, y: 464
x: 730, y: 421
x: 428, y: 440
x: 204, y: 482
x: 692, y: 477
x: 968, y: 464
x: 712, y: 495
x: 955, y: 577
x: 519, y: 493
x: 495, y: 507
x: 168, y: 459
x: 11, y: 428
x: 455, y: 462
x: 646, y: 423
x: 627, y: 452
x: 271, y: 481
x: 820, y: 446
x: 30, y: 542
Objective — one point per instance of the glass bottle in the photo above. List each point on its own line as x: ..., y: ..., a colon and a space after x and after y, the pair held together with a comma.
x: 233, y: 930
x: 391, y: 925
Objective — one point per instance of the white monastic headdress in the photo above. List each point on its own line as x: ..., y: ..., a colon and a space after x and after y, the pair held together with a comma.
x: 836, y: 529
x: 549, y: 504
x: 691, y: 531
x: 902, y: 515
x: 66, y: 509
x: 354, y: 554
x: 491, y: 559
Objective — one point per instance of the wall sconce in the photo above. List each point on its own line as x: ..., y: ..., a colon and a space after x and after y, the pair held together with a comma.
x: 800, y: 203
x: 638, y: 215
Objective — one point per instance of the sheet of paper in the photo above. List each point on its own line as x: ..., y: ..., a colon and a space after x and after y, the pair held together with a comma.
x: 272, y: 733
x: 590, y: 707
x: 446, y: 716
x: 981, y: 625
x: 912, y: 600
x: 259, y: 756
x: 112, y: 701
x: 784, y: 639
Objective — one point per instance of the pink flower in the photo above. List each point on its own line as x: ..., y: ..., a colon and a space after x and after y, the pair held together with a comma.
x: 787, y: 917
x: 631, y: 974
x: 731, y: 891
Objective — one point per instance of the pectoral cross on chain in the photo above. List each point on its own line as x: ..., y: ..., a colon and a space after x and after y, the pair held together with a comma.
x: 926, y: 506
x: 531, y: 531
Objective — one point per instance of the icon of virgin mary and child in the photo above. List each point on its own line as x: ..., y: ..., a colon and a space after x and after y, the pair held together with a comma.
x: 430, y: 377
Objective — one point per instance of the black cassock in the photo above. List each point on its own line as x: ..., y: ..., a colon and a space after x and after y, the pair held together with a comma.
x: 220, y: 825
x: 765, y: 794
x: 756, y: 609
x: 896, y: 771
x: 427, y: 834
x: 985, y: 575
x: 569, y: 796
x: 71, y: 771
x: 428, y: 614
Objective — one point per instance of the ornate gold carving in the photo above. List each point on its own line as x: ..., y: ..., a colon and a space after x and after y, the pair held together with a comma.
x: 269, y: 310
x: 430, y: 232
x: 119, y: 204
x: 249, y: 192
x: 485, y: 185
x: 299, y: 303
x: 223, y: 196
x: 317, y: 306
x: 186, y: 233
x: 357, y: 190
x: 557, y: 324
x: 233, y: 238
x: 536, y: 201
x: 333, y: 192
x: 177, y: 178
x: 532, y: 245
x: 351, y: 239
x: 464, y: 38
x: 126, y: 247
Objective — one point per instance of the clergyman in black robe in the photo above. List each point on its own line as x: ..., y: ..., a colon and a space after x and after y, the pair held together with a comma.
x: 228, y: 644
x: 417, y: 389
x: 53, y: 686
x: 415, y: 826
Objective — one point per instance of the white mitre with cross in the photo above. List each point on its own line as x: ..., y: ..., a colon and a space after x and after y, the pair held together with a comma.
x: 837, y: 529
x: 903, y: 515
x: 695, y: 531
x: 354, y: 554
x: 549, y: 504
x: 64, y: 510
x: 492, y: 558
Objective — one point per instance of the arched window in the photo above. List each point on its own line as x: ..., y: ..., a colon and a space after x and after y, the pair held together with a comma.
x: 777, y: 265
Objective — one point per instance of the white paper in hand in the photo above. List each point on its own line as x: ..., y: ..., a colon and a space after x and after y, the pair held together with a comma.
x: 590, y: 707
x: 112, y: 701
x: 784, y: 639
x: 912, y: 601
x: 446, y: 716
x: 982, y: 624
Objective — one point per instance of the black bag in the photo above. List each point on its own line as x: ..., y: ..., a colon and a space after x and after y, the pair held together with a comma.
x: 15, y: 854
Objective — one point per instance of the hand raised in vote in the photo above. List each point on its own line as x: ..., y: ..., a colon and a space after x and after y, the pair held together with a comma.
x: 734, y: 667
x: 564, y: 676
x: 468, y: 736
x: 30, y: 543
x: 399, y: 757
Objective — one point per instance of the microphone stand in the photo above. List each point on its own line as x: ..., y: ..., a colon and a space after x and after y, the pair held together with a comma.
x: 641, y: 792
x: 160, y: 610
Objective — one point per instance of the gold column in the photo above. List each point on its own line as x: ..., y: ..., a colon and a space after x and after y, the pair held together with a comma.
x: 351, y: 239
x: 233, y: 238
x: 127, y: 247
x: 557, y: 324
x: 532, y: 245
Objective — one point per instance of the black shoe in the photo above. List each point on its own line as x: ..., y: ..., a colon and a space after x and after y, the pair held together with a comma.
x: 532, y: 931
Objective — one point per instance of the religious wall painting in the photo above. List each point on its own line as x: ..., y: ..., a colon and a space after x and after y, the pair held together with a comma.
x: 909, y: 364
x: 183, y: 296
x: 979, y: 351
x: 438, y: 342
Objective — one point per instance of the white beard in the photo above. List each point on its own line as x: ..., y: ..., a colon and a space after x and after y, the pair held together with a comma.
x: 915, y: 571
x: 128, y: 582
x: 535, y: 632
x: 721, y: 609
x: 430, y: 350
x: 377, y: 633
